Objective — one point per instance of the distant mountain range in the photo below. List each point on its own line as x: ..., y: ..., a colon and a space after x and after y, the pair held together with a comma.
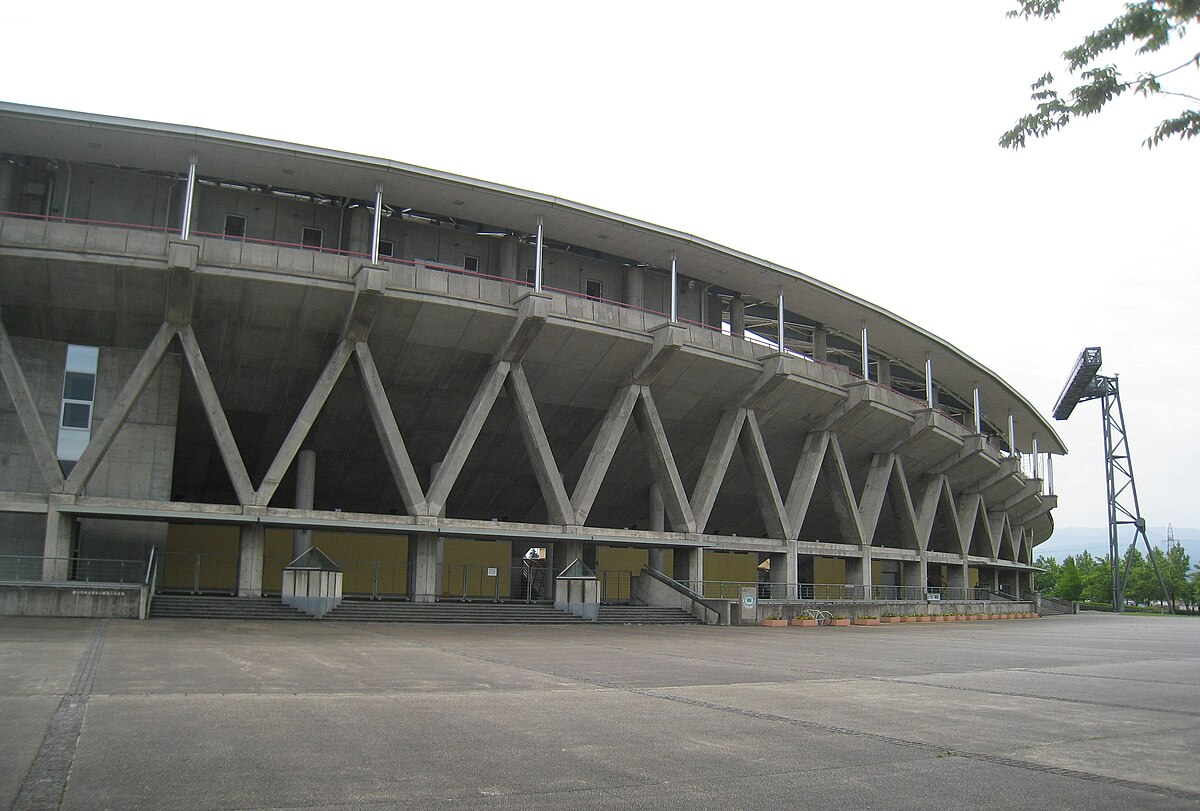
x: 1073, y: 540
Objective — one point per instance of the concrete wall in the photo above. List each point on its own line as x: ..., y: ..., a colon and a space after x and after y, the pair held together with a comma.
x: 137, y: 466
x: 74, y: 600
x: 114, y: 195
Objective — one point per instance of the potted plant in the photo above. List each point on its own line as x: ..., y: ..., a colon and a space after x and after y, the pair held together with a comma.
x: 888, y: 619
x: 839, y: 620
x: 922, y: 618
x: 866, y: 620
x: 804, y: 622
x: 908, y: 617
x: 774, y: 621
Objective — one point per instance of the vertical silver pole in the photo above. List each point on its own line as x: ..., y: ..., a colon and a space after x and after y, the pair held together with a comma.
x: 1035, y: 457
x: 1012, y: 434
x: 866, y: 363
x: 375, y: 224
x: 1050, y: 473
x: 537, y: 260
x: 929, y: 379
x: 674, y: 290
x: 779, y: 331
x: 185, y: 230
x: 978, y: 413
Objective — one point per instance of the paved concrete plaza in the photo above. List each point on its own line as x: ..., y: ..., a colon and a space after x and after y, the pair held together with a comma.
x: 1082, y: 712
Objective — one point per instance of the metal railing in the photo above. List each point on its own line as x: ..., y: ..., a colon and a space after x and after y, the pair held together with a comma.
x: 36, y: 568
x: 200, y: 573
x: 530, y: 582
x: 615, y: 586
x: 834, y: 592
x: 375, y: 579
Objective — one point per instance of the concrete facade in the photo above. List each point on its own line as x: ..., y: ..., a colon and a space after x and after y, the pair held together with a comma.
x: 437, y: 396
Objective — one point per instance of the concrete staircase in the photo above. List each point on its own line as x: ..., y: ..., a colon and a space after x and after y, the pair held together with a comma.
x: 181, y: 606
x: 188, y: 606
x: 501, y: 613
x: 645, y: 615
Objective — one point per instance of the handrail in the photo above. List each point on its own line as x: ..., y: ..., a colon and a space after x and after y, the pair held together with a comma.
x: 675, y: 585
x: 150, y: 584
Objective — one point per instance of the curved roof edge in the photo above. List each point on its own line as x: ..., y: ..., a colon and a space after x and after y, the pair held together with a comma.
x: 1030, y: 423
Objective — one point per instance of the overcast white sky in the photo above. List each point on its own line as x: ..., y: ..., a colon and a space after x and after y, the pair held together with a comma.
x: 853, y: 142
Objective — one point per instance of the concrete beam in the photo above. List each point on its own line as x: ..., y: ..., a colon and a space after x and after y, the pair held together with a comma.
x: 603, y: 449
x: 804, y: 481
x: 533, y: 433
x: 304, y: 422
x: 532, y: 311
x: 1044, y: 505
x: 776, y: 370
x: 465, y: 437
x: 668, y: 338
x: 217, y: 421
x: 388, y: 431
x: 103, y: 436
x: 662, y: 463
x: 937, y: 493
x: 27, y: 414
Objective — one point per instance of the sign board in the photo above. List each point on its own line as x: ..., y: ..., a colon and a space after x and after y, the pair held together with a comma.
x: 491, y: 571
x: 749, y: 597
x: 934, y: 596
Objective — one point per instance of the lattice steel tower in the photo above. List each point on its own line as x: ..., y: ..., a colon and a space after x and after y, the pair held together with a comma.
x: 1086, y: 383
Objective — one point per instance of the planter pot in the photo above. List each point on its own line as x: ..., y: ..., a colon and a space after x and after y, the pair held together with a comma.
x: 866, y: 622
x: 949, y: 618
x: 840, y: 623
x: 889, y: 620
x: 804, y: 623
x: 774, y: 623
x: 936, y: 618
x: 978, y: 617
x: 907, y: 619
x: 923, y: 618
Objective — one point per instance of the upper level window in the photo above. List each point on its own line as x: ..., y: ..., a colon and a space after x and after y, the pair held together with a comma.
x: 387, y: 247
x: 78, y: 398
x: 471, y: 263
x: 530, y: 275
x: 312, y: 238
x: 235, y: 226
x: 593, y: 289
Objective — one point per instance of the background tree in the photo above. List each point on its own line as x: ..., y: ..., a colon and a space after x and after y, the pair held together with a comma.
x: 1177, y: 564
x: 1069, y: 585
x: 1045, y: 581
x: 1151, y: 26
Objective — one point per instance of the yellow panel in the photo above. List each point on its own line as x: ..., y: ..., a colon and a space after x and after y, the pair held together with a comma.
x: 735, y: 567
x: 466, y: 564
x: 829, y: 570
x: 615, y: 566
x: 974, y: 577
x: 372, y: 563
x: 214, y: 547
x: 876, y: 571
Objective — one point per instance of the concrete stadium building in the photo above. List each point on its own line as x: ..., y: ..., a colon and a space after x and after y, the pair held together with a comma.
x: 227, y: 348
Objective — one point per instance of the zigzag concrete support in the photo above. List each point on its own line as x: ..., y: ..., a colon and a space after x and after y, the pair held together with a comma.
x: 102, y: 438
x: 762, y: 479
x: 712, y: 474
x: 215, y: 414
x: 388, y: 431
x: 464, y: 439
x: 550, y: 481
x: 303, y: 423
x: 662, y: 463
x: 603, y: 450
x: 27, y: 414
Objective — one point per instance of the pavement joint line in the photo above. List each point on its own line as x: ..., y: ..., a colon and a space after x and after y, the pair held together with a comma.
x: 1111, y: 678
x: 1000, y: 760
x: 46, y: 781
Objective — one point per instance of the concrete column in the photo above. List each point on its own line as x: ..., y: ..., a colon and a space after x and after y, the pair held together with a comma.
x: 990, y: 579
x: 714, y: 310
x: 635, y: 287
x: 885, y: 372
x: 423, y: 568
x: 914, y: 573
x: 510, y: 258
x: 957, y: 577
x: 306, y: 485
x: 439, y: 554
x: 820, y: 344
x: 858, y: 573
x: 658, y: 523
x: 7, y: 201
x: 252, y: 543
x: 60, y: 532
x: 689, y: 564
x: 737, y: 317
x: 784, y: 575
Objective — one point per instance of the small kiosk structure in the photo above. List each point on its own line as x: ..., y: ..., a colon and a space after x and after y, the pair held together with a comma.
x: 312, y: 583
x: 577, y: 590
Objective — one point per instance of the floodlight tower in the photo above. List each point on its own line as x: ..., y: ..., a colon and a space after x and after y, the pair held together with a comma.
x: 1086, y: 383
